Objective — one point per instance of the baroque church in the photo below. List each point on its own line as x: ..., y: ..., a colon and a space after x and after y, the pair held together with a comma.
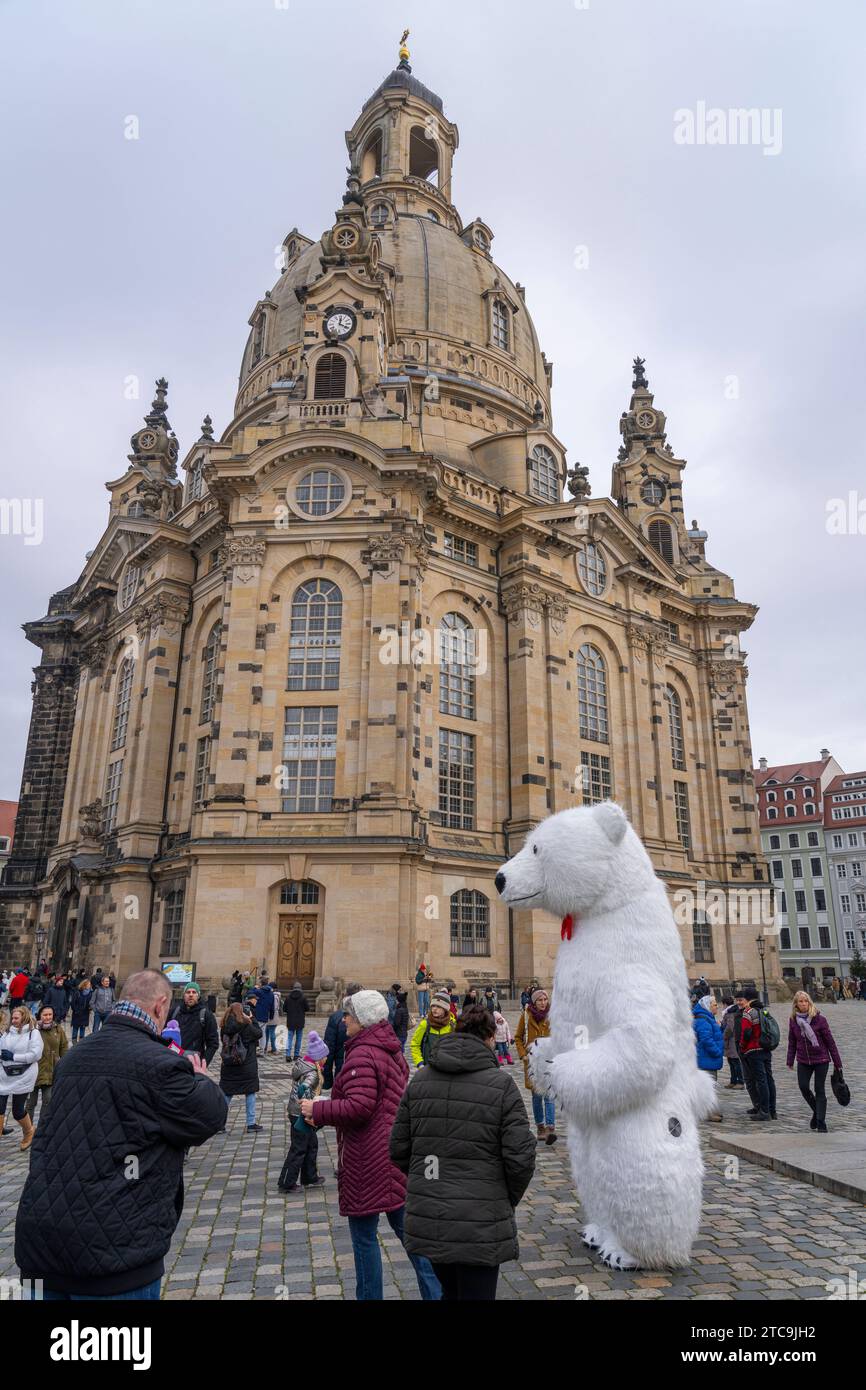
x: 318, y: 679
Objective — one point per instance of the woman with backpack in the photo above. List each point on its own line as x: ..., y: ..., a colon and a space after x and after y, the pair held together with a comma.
x: 534, y: 1023
x: 239, y: 1070
x: 812, y: 1044
x: 759, y: 1035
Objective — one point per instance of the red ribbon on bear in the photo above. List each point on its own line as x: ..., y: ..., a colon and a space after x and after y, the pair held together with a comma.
x: 567, y: 924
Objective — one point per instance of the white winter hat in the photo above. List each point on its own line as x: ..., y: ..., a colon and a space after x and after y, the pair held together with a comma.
x: 367, y: 1007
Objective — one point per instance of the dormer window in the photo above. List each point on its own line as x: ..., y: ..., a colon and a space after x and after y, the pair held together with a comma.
x: 482, y: 240
x: 545, y: 481
x: 258, y: 338
x: 501, y: 325
x: 196, y: 484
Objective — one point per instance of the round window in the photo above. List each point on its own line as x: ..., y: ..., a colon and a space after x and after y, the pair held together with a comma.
x: 653, y: 492
x: 379, y: 215
x: 591, y: 568
x: 320, y: 492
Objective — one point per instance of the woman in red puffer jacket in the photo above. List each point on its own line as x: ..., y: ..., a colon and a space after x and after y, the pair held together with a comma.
x: 366, y: 1094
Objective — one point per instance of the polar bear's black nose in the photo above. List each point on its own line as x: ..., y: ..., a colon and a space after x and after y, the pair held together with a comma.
x: 500, y: 882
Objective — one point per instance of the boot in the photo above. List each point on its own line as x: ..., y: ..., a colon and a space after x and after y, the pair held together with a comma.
x: 28, y: 1129
x: 541, y: 1133
x: 2, y: 1123
x: 551, y: 1136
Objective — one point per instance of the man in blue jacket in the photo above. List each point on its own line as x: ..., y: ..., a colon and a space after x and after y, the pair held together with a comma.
x: 709, y: 1040
x: 263, y: 1011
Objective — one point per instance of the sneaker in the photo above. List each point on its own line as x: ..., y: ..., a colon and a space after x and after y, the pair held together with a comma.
x: 254, y: 1129
x: 293, y: 1188
x: 753, y: 1111
x: 317, y: 1182
x: 813, y: 1123
x: 760, y: 1115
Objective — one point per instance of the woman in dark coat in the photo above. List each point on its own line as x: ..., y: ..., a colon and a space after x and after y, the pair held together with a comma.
x: 462, y: 1121
x: 239, y: 1072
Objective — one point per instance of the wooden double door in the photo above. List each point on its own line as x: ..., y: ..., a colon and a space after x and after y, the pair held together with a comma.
x: 296, y: 953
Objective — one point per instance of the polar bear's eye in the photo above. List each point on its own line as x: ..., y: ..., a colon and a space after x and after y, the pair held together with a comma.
x: 535, y: 849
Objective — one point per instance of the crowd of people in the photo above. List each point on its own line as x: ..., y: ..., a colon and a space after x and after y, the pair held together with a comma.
x: 747, y: 1034
x: 444, y: 1151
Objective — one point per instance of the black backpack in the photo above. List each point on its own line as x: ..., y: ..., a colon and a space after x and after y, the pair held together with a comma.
x: 234, y: 1050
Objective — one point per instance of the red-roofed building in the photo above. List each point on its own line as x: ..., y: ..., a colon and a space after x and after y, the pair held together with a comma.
x: 845, y: 835
x: 791, y: 809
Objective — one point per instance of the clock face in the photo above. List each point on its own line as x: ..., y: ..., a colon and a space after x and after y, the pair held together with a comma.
x: 340, y: 323
x: 646, y: 419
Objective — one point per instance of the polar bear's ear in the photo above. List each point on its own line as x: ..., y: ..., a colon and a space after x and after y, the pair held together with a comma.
x: 612, y: 819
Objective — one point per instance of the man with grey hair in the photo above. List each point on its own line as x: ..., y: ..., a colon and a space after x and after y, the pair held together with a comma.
x: 105, y: 1190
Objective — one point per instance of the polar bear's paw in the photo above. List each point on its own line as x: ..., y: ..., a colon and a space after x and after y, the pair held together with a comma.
x: 615, y: 1257
x: 593, y: 1237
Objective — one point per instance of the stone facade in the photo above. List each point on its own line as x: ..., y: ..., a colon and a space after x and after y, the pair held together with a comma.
x: 326, y: 685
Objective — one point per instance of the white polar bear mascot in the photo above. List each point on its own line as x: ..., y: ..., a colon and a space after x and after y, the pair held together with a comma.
x: 621, y: 1058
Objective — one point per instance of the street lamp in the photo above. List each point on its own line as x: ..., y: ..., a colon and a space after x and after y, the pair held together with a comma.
x: 762, y: 951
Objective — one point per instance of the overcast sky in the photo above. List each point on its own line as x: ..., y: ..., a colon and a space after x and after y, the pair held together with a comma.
x: 738, y: 274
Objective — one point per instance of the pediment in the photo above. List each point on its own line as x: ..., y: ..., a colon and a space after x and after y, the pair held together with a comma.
x: 123, y: 536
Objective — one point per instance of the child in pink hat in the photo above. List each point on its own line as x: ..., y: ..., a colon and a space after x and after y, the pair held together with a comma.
x: 303, y: 1151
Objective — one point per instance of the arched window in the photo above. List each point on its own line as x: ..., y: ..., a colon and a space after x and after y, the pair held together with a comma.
x: 675, y: 724
x: 661, y: 539
x: 592, y: 694
x: 545, y: 474
x: 501, y: 325
x: 423, y: 155
x: 457, y: 664
x: 470, y: 923
x: 210, y: 661
x: 314, y: 639
x: 772, y: 813
x: 129, y: 586
x: 123, y: 691
x: 330, y: 377
x: 258, y: 338
x: 196, y: 483
x: 371, y: 159
x: 172, y: 923
x: 790, y: 812
x: 135, y: 509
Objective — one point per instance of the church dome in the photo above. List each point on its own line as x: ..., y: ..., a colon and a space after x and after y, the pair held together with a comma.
x: 444, y: 293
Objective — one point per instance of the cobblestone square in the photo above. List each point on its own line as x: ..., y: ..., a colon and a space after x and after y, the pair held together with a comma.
x: 763, y: 1237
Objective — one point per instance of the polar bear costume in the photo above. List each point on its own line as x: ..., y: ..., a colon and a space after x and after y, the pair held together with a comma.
x: 621, y: 1058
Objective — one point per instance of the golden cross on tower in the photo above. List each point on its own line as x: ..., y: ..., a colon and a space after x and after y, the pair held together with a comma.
x: 404, y: 52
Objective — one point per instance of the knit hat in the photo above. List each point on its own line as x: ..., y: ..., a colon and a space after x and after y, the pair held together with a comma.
x: 316, y: 1050
x: 172, y: 1031
x: 192, y: 985
x: 367, y: 1007
x: 535, y: 993
x: 443, y: 999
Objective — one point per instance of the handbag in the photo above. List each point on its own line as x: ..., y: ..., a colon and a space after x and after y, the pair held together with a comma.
x: 840, y: 1088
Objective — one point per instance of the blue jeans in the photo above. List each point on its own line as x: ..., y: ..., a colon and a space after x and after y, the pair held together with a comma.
x: 368, y: 1258
x: 297, y: 1034
x: 423, y: 1002
x: 147, y: 1291
x: 78, y: 1031
x: 251, y: 1107
x: 270, y: 1037
x: 543, y: 1110
x: 98, y: 1020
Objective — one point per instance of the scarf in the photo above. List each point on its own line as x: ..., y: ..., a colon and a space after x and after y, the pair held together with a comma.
x: 127, y: 1009
x: 807, y: 1028
x: 538, y: 1014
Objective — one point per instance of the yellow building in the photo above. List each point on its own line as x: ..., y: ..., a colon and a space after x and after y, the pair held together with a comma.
x: 310, y: 691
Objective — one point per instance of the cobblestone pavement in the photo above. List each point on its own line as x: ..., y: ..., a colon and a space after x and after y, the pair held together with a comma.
x: 763, y: 1237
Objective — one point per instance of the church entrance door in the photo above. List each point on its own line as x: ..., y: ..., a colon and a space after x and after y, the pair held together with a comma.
x: 296, y: 956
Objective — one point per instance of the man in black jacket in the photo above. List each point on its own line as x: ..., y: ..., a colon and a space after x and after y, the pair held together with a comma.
x: 198, y: 1026
x: 56, y: 997
x: 335, y: 1040
x: 105, y: 1190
